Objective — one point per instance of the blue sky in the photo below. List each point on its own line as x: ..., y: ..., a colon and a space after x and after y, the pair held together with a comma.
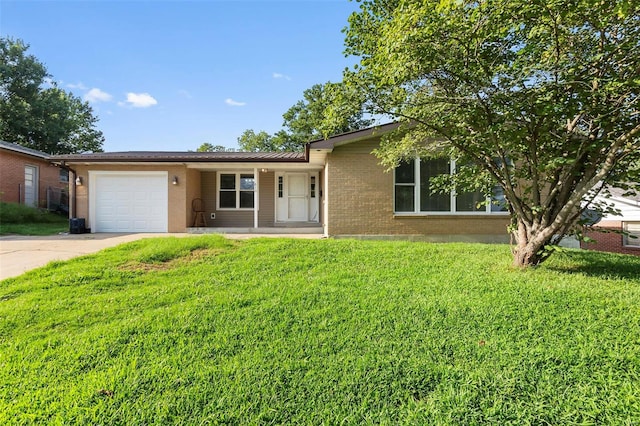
x: 171, y: 75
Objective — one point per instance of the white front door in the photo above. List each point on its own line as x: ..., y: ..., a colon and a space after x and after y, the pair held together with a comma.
x: 297, y: 196
x: 31, y: 186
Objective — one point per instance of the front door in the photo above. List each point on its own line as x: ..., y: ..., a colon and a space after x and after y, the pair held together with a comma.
x: 297, y: 196
x: 31, y: 186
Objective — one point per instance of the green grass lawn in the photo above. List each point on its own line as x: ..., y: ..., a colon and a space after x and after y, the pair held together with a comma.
x: 22, y: 220
x: 35, y: 228
x: 204, y: 330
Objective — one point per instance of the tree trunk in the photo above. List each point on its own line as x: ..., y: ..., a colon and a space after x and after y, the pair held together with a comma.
x: 528, y: 251
x: 529, y: 255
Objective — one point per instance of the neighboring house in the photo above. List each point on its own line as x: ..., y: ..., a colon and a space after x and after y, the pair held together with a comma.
x: 625, y: 226
x: 28, y: 177
x: 335, y: 187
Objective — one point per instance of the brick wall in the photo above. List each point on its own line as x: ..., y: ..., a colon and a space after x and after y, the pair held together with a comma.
x: 359, y: 201
x: 12, y: 166
x: 608, y: 241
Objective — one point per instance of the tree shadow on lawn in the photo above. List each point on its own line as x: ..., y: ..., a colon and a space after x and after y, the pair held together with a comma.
x: 597, y: 264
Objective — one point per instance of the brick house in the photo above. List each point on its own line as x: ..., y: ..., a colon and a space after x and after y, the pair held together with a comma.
x: 28, y: 177
x: 614, y: 233
x: 336, y: 187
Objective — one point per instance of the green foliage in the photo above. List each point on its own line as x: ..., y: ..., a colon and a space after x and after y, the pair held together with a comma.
x: 541, y: 97
x: 262, y: 141
x: 307, y: 121
x: 19, y: 213
x: 37, y: 114
x: 206, y: 331
x: 207, y: 147
x: 25, y: 220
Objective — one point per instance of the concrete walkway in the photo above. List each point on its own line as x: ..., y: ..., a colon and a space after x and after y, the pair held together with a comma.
x: 19, y: 254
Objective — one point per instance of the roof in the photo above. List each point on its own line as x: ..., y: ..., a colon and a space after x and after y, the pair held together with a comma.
x: 170, y: 157
x: 23, y: 150
x: 224, y: 157
x: 349, y: 137
x: 619, y: 193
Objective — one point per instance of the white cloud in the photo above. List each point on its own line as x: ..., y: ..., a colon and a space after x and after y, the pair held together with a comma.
x: 77, y: 86
x: 185, y: 94
x: 278, y: 75
x: 97, y: 95
x: 231, y: 102
x: 139, y: 100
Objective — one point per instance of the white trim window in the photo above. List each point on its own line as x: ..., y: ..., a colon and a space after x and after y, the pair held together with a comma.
x: 412, y: 192
x: 631, y: 229
x: 236, y: 191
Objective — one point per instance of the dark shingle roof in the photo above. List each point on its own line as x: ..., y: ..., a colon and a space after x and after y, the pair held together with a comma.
x: 167, y: 157
x: 23, y: 150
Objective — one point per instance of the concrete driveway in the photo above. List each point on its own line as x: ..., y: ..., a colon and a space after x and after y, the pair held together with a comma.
x: 19, y: 254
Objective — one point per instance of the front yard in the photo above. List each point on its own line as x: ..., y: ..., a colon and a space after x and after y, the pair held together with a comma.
x: 205, y: 330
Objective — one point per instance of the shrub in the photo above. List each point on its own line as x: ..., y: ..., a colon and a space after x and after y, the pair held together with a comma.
x: 18, y: 213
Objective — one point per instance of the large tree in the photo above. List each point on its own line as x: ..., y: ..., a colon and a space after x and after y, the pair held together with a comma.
x: 538, y: 97
x: 35, y: 113
x: 208, y: 147
x: 307, y: 120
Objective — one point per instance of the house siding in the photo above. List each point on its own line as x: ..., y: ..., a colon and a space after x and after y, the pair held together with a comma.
x: 239, y: 218
x: 193, y: 190
x: 266, y: 214
x: 12, y: 166
x: 359, y: 202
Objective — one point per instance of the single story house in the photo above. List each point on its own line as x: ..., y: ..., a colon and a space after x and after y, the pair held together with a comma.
x: 336, y: 187
x: 27, y: 177
x: 615, y: 232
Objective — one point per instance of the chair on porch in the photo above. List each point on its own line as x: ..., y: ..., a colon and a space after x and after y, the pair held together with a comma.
x: 197, y: 207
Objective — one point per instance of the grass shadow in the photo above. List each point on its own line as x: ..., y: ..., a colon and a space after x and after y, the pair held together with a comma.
x: 597, y: 264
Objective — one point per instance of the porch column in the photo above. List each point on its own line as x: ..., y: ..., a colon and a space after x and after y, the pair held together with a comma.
x: 256, y: 197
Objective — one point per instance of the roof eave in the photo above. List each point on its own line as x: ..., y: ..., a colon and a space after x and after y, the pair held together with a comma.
x: 24, y: 151
x: 351, y: 137
x: 72, y: 160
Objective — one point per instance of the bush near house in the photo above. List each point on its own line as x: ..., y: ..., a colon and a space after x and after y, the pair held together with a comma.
x: 203, y: 330
x: 20, y: 219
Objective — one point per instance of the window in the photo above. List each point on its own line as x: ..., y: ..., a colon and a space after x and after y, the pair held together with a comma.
x: 313, y: 187
x: 63, y: 176
x: 413, y: 191
x: 632, y: 234
x: 236, y: 190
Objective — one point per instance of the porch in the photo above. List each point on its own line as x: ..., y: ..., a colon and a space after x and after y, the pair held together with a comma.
x: 280, y: 199
x: 280, y: 230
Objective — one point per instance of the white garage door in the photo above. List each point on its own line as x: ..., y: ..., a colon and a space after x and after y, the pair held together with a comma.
x: 130, y: 202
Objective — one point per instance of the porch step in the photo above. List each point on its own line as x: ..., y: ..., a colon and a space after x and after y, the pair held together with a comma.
x: 271, y: 230
x: 297, y: 225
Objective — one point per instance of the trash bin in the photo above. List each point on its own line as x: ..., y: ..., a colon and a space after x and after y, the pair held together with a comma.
x: 77, y: 225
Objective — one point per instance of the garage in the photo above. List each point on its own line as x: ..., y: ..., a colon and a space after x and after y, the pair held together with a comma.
x: 128, y: 201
